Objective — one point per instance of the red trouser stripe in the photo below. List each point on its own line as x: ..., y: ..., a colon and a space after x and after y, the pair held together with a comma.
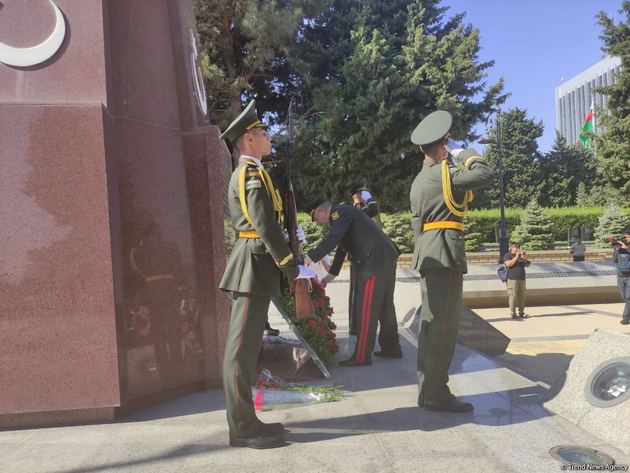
x: 366, y: 313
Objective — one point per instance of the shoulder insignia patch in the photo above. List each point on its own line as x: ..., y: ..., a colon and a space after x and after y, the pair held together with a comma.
x: 335, y: 215
x: 253, y: 184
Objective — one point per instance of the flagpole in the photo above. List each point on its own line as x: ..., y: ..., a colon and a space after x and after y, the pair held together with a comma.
x: 594, y: 124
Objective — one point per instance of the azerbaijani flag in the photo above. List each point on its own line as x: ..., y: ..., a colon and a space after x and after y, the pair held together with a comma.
x: 587, y: 128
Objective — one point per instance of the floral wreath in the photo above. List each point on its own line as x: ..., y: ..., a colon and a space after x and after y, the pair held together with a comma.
x: 318, y: 331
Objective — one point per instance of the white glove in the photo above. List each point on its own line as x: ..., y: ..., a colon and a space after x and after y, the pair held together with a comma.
x: 453, y: 147
x: 326, y: 261
x: 299, y: 233
x: 365, y: 195
x: 328, y: 278
x: 305, y: 273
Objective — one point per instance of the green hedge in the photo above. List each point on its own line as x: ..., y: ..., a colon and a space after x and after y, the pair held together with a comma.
x: 563, y: 219
x: 480, y: 225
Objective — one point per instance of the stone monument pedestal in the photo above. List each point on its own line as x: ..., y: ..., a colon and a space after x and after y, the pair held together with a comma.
x: 112, y: 216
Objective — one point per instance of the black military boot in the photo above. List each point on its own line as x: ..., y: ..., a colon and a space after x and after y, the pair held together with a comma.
x: 395, y: 352
x: 451, y: 405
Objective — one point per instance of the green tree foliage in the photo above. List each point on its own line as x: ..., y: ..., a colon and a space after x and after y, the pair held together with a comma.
x: 611, y: 223
x: 375, y: 69
x: 314, y: 233
x: 243, y: 48
x: 535, y: 232
x: 562, y: 170
x: 472, y: 236
x: 613, y: 146
x: 521, y: 161
x: 597, y: 195
x: 400, y: 231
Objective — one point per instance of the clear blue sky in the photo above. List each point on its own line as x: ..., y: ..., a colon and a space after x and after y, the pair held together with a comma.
x: 536, y: 45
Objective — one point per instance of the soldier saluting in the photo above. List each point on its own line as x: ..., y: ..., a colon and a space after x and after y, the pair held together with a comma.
x: 253, y: 274
x: 439, y: 196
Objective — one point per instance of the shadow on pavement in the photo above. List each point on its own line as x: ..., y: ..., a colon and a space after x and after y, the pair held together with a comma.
x: 191, y: 404
x: 180, y: 452
x: 542, y: 367
x: 492, y: 409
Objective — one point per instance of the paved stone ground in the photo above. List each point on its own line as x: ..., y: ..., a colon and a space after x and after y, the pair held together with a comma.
x: 543, y: 345
x: 377, y: 428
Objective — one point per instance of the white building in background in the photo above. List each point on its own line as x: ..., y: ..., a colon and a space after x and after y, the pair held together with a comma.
x: 574, y: 97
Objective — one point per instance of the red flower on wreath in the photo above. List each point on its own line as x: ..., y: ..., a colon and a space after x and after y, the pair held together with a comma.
x: 318, y: 330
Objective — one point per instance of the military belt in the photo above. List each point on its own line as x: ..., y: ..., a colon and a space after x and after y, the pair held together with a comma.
x: 250, y: 235
x: 443, y: 224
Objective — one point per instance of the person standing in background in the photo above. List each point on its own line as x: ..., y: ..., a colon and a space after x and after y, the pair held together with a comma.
x: 516, y: 261
x: 363, y: 199
x: 578, y: 250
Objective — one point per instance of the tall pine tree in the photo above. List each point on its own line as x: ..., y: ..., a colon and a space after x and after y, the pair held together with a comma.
x: 375, y: 70
x: 562, y: 170
x: 521, y: 160
x: 613, y: 146
x: 244, y: 48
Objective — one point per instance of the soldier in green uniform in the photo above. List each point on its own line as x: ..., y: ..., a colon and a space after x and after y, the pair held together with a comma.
x: 374, y: 256
x: 253, y: 274
x: 440, y: 195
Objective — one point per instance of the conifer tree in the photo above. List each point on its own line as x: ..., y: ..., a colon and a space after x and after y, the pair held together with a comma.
x: 562, y: 170
x: 472, y: 235
x: 611, y: 223
x: 400, y: 232
x: 521, y: 161
x: 244, y: 48
x: 535, y: 231
x: 613, y: 146
x: 375, y: 70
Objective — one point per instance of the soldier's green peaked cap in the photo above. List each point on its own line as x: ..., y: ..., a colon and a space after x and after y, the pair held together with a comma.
x: 247, y: 120
x: 432, y: 128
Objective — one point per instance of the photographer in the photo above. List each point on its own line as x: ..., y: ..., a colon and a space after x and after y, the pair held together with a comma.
x: 621, y: 257
x: 516, y: 260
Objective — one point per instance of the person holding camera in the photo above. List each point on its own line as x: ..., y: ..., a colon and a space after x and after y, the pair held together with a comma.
x: 516, y: 261
x: 621, y: 257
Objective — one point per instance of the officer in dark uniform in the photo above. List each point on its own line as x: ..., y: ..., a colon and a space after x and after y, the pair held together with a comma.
x: 374, y: 256
x: 253, y: 274
x: 439, y: 197
x: 363, y: 200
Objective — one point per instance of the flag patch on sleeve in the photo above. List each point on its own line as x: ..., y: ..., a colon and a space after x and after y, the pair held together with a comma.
x: 253, y: 184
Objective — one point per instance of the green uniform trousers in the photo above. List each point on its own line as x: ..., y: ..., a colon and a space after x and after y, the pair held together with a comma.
x: 516, y: 295
x: 247, y: 323
x: 374, y: 304
x: 441, y: 309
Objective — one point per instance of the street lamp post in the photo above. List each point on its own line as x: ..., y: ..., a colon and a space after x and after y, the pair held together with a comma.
x: 487, y: 139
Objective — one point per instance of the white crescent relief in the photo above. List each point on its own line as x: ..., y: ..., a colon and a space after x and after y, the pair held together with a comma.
x: 200, y: 90
x: 25, y: 57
